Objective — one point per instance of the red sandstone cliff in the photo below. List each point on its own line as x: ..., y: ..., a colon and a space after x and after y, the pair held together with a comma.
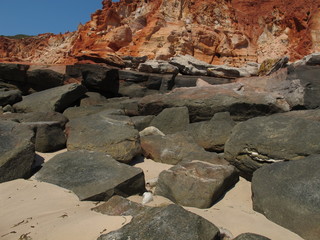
x: 216, y: 31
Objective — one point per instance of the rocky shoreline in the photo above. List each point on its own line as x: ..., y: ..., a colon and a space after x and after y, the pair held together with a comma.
x: 211, y: 125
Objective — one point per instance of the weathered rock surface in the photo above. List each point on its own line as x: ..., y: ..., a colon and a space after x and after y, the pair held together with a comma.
x: 92, y: 98
x: 161, y: 223
x: 250, y: 236
x: 9, y: 97
x: 204, y: 102
x: 141, y: 122
x: 212, y: 135
x: 55, y: 99
x: 41, y: 78
x: 175, y: 148
x: 196, y: 184
x: 288, y: 193
x: 105, y: 132
x: 16, y: 150
x: 120, y: 206
x: 191, y: 81
x: 172, y: 120
x: 13, y: 73
x: 92, y: 176
x: 158, y: 66
x: 264, y: 140
x: 189, y: 65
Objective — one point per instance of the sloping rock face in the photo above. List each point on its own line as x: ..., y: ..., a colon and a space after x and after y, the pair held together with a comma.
x: 16, y: 150
x: 290, y: 190
x: 265, y: 140
x: 161, y: 223
x: 92, y: 176
x: 196, y: 184
x: 213, y: 31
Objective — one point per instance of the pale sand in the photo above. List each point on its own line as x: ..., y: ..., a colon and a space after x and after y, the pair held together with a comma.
x: 44, y: 211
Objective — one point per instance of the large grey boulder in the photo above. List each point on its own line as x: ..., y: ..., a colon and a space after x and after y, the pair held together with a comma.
x: 92, y: 176
x: 13, y: 73
x: 189, y: 65
x: 96, y: 78
x: 175, y: 148
x: 41, y: 78
x: 172, y: 120
x: 158, y: 66
x: 171, y: 222
x: 250, y: 236
x: 9, y: 97
x: 107, y: 131
x: 265, y: 140
x: 55, y: 99
x: 196, y: 184
x: 17, y: 151
x: 212, y: 135
x: 204, y: 102
x: 288, y: 193
x: 48, y: 126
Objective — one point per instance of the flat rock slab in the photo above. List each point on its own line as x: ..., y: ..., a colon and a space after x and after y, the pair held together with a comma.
x: 204, y: 102
x: 92, y: 176
x: 172, y: 120
x: 265, y: 140
x: 171, y: 222
x: 17, y: 150
x: 288, y: 193
x: 120, y: 206
x: 55, y: 99
x: 175, y: 148
x: 196, y: 184
x: 105, y: 132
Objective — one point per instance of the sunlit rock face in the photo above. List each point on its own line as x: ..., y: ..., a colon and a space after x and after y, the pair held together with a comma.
x: 230, y: 32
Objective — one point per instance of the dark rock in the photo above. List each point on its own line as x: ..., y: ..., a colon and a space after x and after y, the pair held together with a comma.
x: 309, y: 80
x: 174, y: 148
x: 264, y: 140
x: 196, y: 184
x: 133, y: 76
x: 189, y: 65
x: 120, y: 206
x: 288, y: 193
x: 212, y: 135
x: 10, y: 97
x: 127, y: 105
x: 141, y: 122
x: 13, y: 73
x: 311, y: 60
x: 134, y: 90
x: 92, y: 176
x: 36, y: 117
x: 41, y: 79
x: 158, y: 66
x: 172, y: 120
x: 50, y: 136
x: 133, y: 62
x: 161, y: 224
x: 92, y: 98
x: 55, y: 99
x: 204, y: 102
x: 250, y: 236
x: 16, y: 151
x: 105, y: 132
x: 190, y: 81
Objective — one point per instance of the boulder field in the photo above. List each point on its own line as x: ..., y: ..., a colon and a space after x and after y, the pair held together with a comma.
x: 210, y: 129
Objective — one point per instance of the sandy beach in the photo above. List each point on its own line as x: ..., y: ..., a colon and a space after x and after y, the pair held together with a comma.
x: 40, y: 211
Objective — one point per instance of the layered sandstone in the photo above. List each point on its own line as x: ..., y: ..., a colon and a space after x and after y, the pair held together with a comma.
x: 217, y: 31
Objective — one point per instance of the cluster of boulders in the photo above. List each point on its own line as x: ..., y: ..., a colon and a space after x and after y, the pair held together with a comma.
x: 211, y: 129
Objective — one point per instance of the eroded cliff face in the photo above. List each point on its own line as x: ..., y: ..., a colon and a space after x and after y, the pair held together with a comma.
x: 217, y: 31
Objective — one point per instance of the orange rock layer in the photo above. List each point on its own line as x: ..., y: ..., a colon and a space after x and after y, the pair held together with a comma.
x: 217, y: 31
